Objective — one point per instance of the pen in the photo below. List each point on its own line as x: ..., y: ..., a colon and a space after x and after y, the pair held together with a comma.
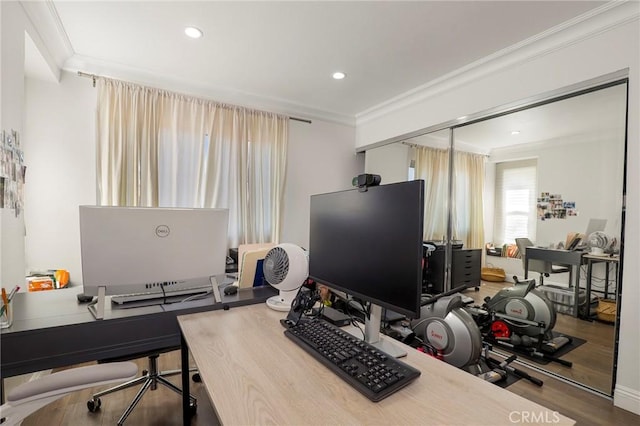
x: 5, y: 302
x: 13, y: 292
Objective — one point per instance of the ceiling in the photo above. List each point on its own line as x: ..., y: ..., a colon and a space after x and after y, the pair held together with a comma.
x: 282, y: 54
x: 600, y: 112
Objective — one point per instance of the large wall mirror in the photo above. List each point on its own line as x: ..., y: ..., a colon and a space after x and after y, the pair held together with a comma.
x: 544, y: 172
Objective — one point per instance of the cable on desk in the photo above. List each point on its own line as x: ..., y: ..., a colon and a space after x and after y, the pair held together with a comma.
x: 164, y: 294
x: 196, y: 296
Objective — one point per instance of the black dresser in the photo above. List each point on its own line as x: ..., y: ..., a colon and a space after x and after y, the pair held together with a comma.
x: 465, y: 270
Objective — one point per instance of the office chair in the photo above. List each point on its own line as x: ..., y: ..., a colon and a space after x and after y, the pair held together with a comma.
x: 149, y: 380
x: 31, y: 396
x: 543, y: 267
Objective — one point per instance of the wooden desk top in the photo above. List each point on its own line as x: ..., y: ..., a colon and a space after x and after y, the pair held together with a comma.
x: 255, y: 375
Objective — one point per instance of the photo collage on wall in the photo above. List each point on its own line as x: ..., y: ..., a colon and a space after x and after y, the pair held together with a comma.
x: 552, y: 206
x: 12, y: 172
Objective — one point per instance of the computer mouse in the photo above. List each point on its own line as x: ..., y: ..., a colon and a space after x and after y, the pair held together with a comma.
x: 230, y: 289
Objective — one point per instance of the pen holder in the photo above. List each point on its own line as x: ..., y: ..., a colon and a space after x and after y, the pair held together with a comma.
x: 6, y: 319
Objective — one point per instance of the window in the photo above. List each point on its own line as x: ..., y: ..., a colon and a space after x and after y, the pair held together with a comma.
x: 181, y: 168
x: 515, y: 212
x: 162, y: 148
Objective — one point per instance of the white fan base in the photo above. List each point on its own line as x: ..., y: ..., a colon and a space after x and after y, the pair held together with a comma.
x: 598, y: 251
x: 278, y: 303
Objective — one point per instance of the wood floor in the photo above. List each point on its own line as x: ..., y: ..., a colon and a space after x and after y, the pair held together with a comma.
x: 163, y: 407
x: 592, y: 361
x: 157, y: 408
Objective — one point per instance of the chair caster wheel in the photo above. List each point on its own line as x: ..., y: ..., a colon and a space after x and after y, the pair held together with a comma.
x: 94, y: 404
x: 193, y: 408
x: 196, y: 378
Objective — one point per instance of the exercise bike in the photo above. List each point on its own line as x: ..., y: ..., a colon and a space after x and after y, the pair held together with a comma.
x: 447, y: 331
x: 521, y: 318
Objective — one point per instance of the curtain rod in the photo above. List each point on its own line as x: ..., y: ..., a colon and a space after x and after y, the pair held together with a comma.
x: 415, y: 145
x: 95, y: 77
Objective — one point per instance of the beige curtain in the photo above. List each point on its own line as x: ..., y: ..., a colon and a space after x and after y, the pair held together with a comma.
x: 127, y: 144
x: 158, y: 148
x: 468, y: 218
x: 432, y: 165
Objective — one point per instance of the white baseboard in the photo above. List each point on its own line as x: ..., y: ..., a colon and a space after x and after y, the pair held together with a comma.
x: 627, y: 399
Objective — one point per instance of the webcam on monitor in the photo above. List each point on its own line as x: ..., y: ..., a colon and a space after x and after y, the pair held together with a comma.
x: 366, y: 180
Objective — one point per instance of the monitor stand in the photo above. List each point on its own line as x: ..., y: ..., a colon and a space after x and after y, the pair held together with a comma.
x: 215, y: 288
x: 373, y: 337
x: 97, y: 307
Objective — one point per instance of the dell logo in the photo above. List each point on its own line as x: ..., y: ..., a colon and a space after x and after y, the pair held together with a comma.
x: 162, y: 231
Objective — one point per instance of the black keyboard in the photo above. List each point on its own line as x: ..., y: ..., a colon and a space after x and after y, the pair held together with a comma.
x: 372, y: 372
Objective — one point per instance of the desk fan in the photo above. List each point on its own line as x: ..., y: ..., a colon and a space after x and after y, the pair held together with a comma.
x: 286, y: 267
x: 598, y: 242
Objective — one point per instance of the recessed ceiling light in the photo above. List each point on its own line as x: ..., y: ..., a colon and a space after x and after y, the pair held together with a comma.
x: 515, y: 132
x: 193, y: 32
x: 338, y: 75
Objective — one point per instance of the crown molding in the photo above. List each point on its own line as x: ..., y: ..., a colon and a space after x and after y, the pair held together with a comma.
x: 592, y: 23
x: 53, y: 42
x: 51, y: 38
x: 106, y: 69
x: 48, y: 33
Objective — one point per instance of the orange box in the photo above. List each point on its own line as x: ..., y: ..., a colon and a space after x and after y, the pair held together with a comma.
x: 40, y: 283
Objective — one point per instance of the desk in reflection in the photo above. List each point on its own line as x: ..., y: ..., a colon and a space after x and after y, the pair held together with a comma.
x: 570, y: 258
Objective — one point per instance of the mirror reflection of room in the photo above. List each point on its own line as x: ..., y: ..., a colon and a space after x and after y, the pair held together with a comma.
x: 547, y: 177
x: 554, y: 180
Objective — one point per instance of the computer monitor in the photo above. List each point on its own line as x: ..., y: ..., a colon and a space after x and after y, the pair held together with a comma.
x: 369, y: 244
x: 127, y: 250
x: 594, y: 226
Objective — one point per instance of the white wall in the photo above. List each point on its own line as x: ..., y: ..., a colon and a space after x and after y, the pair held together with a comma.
x: 60, y: 155
x: 581, y: 169
x: 591, y: 187
x: 60, y: 125
x: 12, y: 30
x: 391, y: 162
x: 562, y: 62
x: 320, y: 159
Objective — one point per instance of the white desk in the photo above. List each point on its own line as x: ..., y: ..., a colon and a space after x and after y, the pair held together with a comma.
x: 606, y: 259
x: 255, y: 375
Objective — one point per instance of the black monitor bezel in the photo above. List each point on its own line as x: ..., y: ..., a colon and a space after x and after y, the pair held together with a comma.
x: 414, y: 312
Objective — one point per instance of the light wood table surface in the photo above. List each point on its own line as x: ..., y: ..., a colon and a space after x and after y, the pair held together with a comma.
x: 255, y: 375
